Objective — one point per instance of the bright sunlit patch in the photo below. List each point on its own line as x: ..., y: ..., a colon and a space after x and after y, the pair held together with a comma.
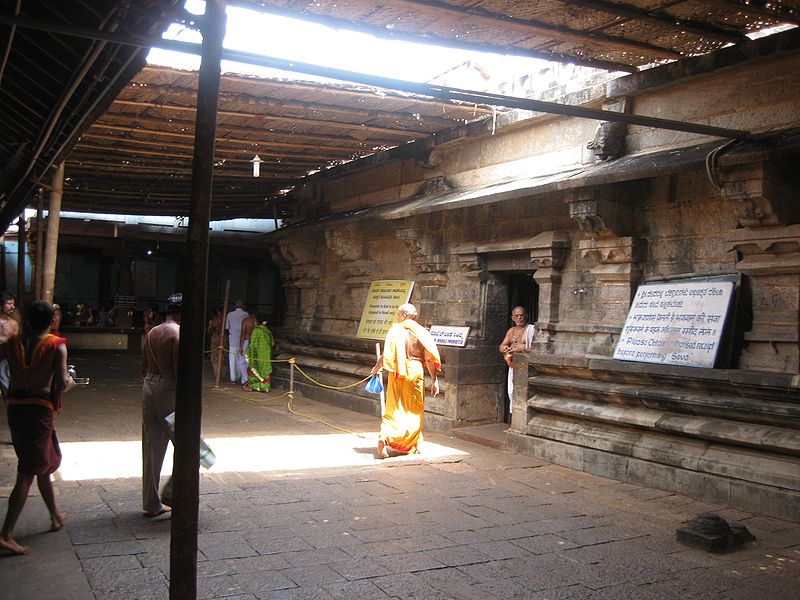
x: 303, y: 41
x: 118, y: 460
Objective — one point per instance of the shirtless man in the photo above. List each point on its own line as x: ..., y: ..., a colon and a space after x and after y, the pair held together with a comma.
x: 9, y: 327
x: 159, y: 369
x: 38, y: 366
x: 248, y: 324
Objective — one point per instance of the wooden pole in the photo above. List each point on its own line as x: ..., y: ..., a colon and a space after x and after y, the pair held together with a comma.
x: 38, y: 265
x: 189, y: 385
x: 21, y: 235
x: 221, y: 351
x: 51, y: 247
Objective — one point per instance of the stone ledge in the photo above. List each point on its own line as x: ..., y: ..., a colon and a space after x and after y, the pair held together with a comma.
x: 743, y: 495
x: 767, y: 438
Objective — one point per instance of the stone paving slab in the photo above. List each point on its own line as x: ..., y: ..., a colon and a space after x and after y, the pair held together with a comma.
x: 298, y: 507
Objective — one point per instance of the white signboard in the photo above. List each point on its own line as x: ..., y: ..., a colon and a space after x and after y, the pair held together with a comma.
x: 445, y: 335
x: 676, y: 323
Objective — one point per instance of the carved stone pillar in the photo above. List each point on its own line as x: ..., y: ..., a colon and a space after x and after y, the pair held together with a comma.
x: 764, y: 199
x: 617, y: 258
x: 762, y: 194
x: 548, y: 253
x: 430, y: 263
x: 300, y: 274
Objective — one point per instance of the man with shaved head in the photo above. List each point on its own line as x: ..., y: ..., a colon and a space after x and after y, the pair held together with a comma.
x: 408, y: 345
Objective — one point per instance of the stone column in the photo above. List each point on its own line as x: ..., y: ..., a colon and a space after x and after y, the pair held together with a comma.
x: 767, y: 244
x: 603, y: 226
x: 548, y: 254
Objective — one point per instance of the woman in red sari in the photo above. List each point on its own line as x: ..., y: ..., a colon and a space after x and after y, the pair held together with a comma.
x: 38, y: 363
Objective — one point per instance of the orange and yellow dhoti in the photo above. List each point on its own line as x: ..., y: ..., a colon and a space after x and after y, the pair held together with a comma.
x: 401, y: 425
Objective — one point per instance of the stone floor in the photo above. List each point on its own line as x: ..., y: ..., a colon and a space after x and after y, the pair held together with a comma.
x: 298, y: 507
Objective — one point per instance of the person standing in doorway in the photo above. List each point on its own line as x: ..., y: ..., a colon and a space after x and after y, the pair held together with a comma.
x: 407, y: 347
x: 519, y: 338
x: 233, y: 325
x: 159, y: 369
x: 9, y: 327
x: 38, y: 366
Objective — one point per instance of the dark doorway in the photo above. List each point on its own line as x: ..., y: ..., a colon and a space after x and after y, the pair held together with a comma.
x: 522, y: 291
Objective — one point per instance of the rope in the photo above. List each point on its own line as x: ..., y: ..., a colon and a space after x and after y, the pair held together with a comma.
x: 290, y: 393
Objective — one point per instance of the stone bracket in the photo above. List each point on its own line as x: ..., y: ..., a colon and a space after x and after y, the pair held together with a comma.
x: 762, y: 194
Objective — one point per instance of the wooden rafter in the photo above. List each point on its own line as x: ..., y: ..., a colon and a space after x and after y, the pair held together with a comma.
x: 628, y: 12
x: 219, y: 151
x: 348, y: 126
x: 223, y: 139
x: 430, y: 40
x: 223, y: 129
x: 776, y: 11
x: 436, y: 7
x: 134, y: 154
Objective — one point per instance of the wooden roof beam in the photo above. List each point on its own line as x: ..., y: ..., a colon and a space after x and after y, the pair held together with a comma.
x: 219, y: 139
x: 531, y: 27
x: 217, y: 151
x: 394, y: 34
x: 778, y: 13
x: 629, y: 12
x: 306, y: 135
x: 224, y: 128
x: 128, y: 152
x: 219, y: 171
x: 265, y: 100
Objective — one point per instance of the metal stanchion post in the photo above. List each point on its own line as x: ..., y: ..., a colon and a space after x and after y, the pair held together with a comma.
x: 291, y: 381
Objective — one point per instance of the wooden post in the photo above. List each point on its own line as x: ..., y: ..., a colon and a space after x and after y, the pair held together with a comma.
x: 221, y: 351
x: 38, y: 265
x: 21, y: 235
x: 189, y: 386
x: 53, y: 221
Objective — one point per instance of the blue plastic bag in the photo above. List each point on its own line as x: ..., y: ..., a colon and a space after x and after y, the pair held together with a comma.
x: 375, y: 384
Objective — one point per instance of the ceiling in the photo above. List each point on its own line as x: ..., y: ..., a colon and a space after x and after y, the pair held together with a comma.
x: 126, y: 131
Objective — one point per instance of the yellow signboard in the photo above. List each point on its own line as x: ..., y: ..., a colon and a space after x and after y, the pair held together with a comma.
x: 380, y: 309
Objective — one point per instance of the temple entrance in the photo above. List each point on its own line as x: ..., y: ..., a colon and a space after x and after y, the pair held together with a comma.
x: 522, y: 291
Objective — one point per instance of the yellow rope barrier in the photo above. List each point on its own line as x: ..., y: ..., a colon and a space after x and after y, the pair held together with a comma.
x: 293, y: 365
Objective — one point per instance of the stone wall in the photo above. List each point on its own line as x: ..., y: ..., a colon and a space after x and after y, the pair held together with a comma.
x: 458, y: 214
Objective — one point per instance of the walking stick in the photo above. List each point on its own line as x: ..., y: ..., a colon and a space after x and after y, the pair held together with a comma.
x: 383, y: 397
x: 222, y: 329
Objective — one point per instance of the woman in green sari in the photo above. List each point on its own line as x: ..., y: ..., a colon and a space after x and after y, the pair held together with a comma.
x: 259, y: 357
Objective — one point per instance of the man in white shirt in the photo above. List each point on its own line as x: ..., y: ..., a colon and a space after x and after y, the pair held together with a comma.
x: 233, y: 325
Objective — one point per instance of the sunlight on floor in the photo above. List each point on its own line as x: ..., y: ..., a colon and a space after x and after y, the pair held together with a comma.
x: 113, y: 460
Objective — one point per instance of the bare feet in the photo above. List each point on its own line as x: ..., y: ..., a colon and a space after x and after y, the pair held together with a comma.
x: 12, y: 546
x: 382, y: 451
x: 160, y: 511
x: 57, y: 520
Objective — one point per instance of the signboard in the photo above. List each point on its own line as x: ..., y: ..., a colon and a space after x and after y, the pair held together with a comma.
x: 380, y: 309
x: 676, y: 323
x: 445, y: 335
x: 125, y: 301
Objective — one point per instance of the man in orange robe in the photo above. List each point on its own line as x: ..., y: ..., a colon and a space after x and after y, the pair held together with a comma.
x: 408, y: 345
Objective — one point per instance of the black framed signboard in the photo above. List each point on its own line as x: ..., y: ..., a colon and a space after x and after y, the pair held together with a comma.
x: 676, y: 323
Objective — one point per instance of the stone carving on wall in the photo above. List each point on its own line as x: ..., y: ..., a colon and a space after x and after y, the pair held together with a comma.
x: 770, y: 258
x: 609, y: 140
x: 426, y: 256
x: 762, y: 194
x: 346, y: 241
x: 435, y: 186
x: 297, y: 261
x: 597, y: 215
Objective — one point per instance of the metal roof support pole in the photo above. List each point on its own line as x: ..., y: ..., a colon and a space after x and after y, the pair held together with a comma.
x: 51, y: 245
x: 189, y: 389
